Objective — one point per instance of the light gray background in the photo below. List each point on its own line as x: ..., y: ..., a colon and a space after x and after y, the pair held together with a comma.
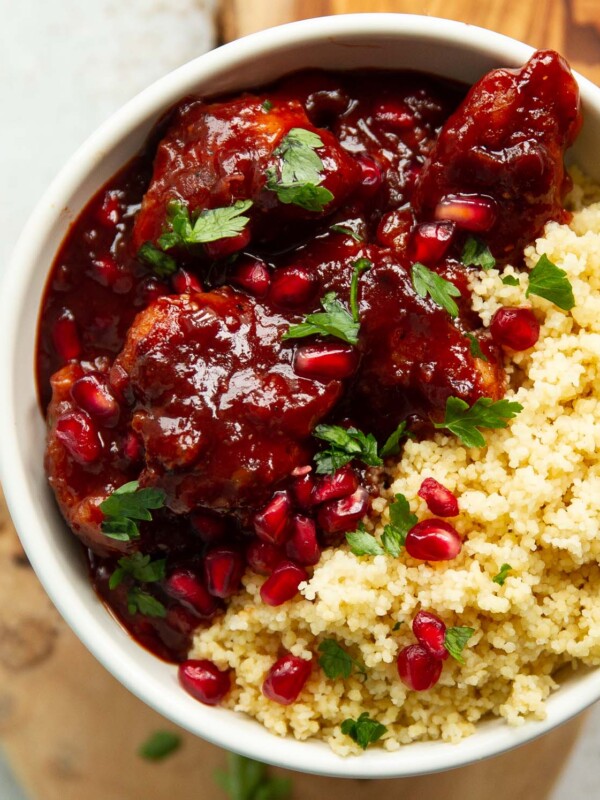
x: 65, y: 65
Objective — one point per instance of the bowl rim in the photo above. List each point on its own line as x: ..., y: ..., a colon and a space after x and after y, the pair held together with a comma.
x: 104, y: 644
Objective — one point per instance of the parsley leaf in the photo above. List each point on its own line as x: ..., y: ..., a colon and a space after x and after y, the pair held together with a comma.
x: 393, y: 540
x: 346, y: 231
x: 360, y: 266
x: 397, y: 626
x: 550, y: 282
x: 209, y: 226
x: 140, y: 568
x: 510, y: 280
x: 391, y: 445
x: 364, y: 730
x: 346, y: 444
x: 455, y: 641
x: 162, y: 264
x: 363, y: 543
x: 267, y: 106
x: 333, y: 321
x: 337, y: 662
x: 401, y: 521
x: 439, y: 289
x: 124, y: 506
x: 476, y: 253
x: 300, y: 171
x: 159, y: 745
x: 247, y: 779
x: 464, y: 421
x: 475, y: 347
x: 502, y: 575
x: 139, y: 600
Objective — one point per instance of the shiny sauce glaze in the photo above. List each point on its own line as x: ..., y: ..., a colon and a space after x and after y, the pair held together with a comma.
x: 183, y: 381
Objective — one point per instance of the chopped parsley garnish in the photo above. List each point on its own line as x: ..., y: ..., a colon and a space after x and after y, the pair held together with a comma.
x: 363, y: 543
x: 334, y: 320
x: 139, y: 600
x: 475, y: 347
x: 476, y: 253
x: 464, y: 421
x: 397, y: 626
x: 140, y: 568
x: 267, y: 106
x: 125, y: 507
x: 209, y: 225
x: 550, y: 282
x: 439, y: 289
x: 510, y: 280
x: 456, y: 640
x: 162, y: 263
x: 159, y: 745
x: 345, y: 445
x: 502, y: 575
x: 300, y: 172
x: 347, y: 232
x: 337, y: 662
x: 360, y: 266
x: 391, y: 446
x: 364, y: 730
x: 246, y: 779
x: 401, y: 521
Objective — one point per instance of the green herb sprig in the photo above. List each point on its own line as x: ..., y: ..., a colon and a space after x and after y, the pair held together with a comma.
x: 345, y: 445
x: 456, y: 640
x: 246, y: 779
x: 502, y: 574
x: 550, y: 282
x: 299, y: 174
x: 209, y: 225
x: 159, y: 745
x: 125, y: 507
x: 439, y: 289
x: 364, y: 730
x: 476, y: 253
x: 337, y: 662
x: 464, y: 421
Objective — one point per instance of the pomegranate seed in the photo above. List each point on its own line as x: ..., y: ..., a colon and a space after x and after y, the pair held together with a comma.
x: 328, y: 362
x: 302, y: 546
x: 394, y: 228
x: 185, y: 586
x: 431, y: 633
x: 433, y: 540
x: 204, y: 681
x: 185, y: 282
x: 471, y: 212
x: 302, y: 489
x: 418, y: 669
x: 263, y: 557
x: 394, y: 114
x: 298, y: 472
x: 223, y: 567
x: 332, y: 487
x: 77, y: 433
x: 92, y: 394
x: 252, y: 275
x: 516, y: 328
x: 283, y: 583
x: 221, y: 248
x: 209, y: 527
x: 65, y: 336
x: 292, y: 287
x: 286, y: 678
x: 430, y: 242
x: 132, y: 448
x: 108, y: 213
x: 271, y: 523
x: 106, y: 271
x: 340, y: 516
x: 440, y: 501
x: 370, y: 175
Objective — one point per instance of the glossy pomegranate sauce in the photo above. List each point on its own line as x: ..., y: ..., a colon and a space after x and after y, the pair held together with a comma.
x: 169, y: 361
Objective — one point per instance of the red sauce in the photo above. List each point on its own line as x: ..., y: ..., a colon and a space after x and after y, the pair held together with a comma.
x: 199, y: 395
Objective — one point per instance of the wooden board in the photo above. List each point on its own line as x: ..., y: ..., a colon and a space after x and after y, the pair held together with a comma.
x: 70, y: 729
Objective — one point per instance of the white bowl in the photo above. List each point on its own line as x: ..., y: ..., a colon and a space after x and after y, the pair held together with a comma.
x: 395, y: 41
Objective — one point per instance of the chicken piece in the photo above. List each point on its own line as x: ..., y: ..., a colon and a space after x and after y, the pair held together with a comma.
x: 222, y: 414
x: 504, y: 146
x: 214, y: 154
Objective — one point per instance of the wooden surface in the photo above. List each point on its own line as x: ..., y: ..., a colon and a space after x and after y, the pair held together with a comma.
x: 70, y: 729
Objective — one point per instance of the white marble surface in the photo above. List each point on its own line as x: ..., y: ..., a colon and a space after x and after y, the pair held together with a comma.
x: 65, y: 65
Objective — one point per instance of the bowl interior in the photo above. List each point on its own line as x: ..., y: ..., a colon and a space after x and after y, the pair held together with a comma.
x: 447, y: 48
